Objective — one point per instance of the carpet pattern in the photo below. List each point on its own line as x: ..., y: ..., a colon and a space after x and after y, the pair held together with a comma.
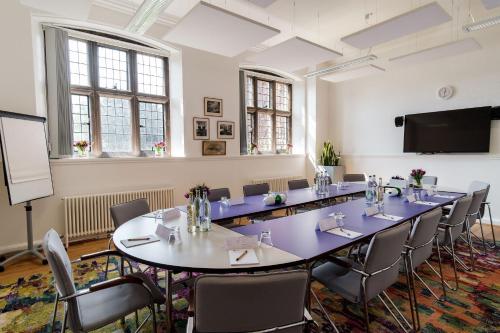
x: 26, y: 304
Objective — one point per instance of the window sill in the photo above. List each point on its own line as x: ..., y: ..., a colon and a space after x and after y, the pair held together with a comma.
x: 165, y: 159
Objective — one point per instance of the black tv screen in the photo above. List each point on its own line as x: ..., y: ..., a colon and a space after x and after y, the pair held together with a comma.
x: 455, y: 131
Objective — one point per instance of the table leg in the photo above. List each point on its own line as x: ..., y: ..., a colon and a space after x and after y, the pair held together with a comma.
x: 169, y: 306
x: 309, y: 284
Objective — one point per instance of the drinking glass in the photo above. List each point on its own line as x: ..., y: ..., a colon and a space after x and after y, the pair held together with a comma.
x: 381, y: 208
x: 265, y: 236
x: 417, y: 196
x: 175, y: 235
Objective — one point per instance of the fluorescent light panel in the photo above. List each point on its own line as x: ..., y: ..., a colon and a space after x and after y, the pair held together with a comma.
x: 213, y: 29
x: 408, y: 23
x: 262, y: 3
x: 146, y: 15
x: 490, y: 4
x: 354, y: 73
x: 483, y: 24
x: 441, y: 51
x: 294, y: 54
x: 341, y: 66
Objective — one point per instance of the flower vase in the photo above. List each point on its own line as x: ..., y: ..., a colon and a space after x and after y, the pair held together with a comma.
x: 158, y: 152
x: 418, y: 183
x: 82, y: 153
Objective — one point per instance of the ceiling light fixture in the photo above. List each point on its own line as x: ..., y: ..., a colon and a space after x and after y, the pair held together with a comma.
x: 483, y: 24
x: 341, y: 66
x: 146, y: 15
x: 353, y: 73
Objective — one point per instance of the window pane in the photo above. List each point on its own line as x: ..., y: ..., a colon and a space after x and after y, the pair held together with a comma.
x: 250, y: 138
x: 265, y: 132
x: 281, y: 133
x: 113, y: 68
x: 249, y: 90
x: 78, y: 62
x: 116, y: 129
x: 81, y: 118
x: 151, y: 124
x: 282, y: 97
x: 150, y: 75
x: 264, y: 95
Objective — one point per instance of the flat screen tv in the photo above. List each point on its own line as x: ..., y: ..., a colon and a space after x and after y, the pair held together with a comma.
x: 454, y: 131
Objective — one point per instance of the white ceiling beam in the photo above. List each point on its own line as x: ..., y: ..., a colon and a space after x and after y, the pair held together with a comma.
x: 147, y: 14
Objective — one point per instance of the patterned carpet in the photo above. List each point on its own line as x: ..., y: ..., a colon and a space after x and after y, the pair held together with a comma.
x: 26, y: 304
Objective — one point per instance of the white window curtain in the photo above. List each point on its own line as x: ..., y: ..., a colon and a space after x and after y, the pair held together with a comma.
x: 59, y: 115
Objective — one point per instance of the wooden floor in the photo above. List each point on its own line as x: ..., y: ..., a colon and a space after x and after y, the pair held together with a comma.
x: 31, y: 266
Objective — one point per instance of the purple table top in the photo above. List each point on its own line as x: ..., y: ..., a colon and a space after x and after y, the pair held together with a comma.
x: 255, y: 205
x: 297, y: 234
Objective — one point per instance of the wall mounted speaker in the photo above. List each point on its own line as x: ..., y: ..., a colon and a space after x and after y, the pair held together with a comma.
x: 399, y: 121
x: 495, y: 113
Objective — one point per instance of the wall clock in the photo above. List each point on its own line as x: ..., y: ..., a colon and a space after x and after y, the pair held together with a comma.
x: 445, y: 92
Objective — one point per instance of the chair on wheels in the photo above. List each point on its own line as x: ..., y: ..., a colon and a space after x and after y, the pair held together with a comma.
x: 124, y: 212
x: 217, y: 194
x: 258, y: 189
x: 250, y: 303
x: 102, y: 303
x: 418, y: 250
x: 362, y: 282
x: 354, y: 177
x: 450, y: 228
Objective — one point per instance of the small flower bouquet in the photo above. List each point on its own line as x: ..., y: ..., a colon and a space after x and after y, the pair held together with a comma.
x: 159, y: 148
x: 289, y: 148
x: 81, y: 147
x: 253, y: 148
x: 417, y: 175
x: 192, y: 190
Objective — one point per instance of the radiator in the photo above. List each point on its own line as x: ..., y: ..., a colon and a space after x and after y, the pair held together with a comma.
x: 88, y: 216
x: 279, y: 184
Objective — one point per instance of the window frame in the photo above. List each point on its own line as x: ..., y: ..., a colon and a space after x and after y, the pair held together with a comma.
x: 94, y: 92
x: 273, y: 111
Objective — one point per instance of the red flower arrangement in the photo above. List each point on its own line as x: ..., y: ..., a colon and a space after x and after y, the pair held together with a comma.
x: 201, y: 188
x: 81, y: 145
x: 160, y: 145
x: 417, y: 174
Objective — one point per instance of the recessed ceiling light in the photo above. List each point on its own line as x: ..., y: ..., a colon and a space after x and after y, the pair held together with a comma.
x: 294, y: 54
x: 213, y: 29
x: 483, y: 24
x: 490, y: 4
x: 146, y: 15
x: 405, y: 24
x: 441, y: 51
x: 341, y: 66
x: 353, y: 73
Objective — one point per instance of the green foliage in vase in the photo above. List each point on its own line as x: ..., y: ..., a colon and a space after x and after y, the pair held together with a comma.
x: 328, y: 156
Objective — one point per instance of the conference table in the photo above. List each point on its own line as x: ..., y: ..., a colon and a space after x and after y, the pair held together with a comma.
x: 296, y: 239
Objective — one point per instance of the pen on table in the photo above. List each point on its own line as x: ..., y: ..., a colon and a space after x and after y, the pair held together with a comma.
x: 138, y: 239
x: 242, y: 255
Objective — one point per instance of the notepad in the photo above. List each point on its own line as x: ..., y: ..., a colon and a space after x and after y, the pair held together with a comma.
x: 131, y: 243
x: 388, y: 217
x: 426, y: 203
x: 345, y: 233
x: 152, y: 215
x: 248, y: 259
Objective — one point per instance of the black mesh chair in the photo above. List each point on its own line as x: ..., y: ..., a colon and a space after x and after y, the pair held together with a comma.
x: 362, y: 282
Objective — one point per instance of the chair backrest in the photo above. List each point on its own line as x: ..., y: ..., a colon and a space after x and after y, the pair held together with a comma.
x: 126, y: 211
x: 383, y: 252
x: 354, y: 177
x: 246, y: 303
x: 298, y: 184
x: 457, y: 215
x: 475, y: 206
x: 255, y: 189
x: 217, y: 193
x: 479, y: 185
x: 60, y: 265
x: 422, y: 235
x: 427, y: 180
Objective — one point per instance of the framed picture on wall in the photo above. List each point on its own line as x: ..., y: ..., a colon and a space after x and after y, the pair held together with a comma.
x: 225, y: 130
x: 213, y: 107
x: 213, y: 148
x: 201, y: 128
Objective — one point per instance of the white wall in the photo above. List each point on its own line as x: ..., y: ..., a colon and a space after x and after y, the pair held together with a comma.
x: 202, y: 74
x: 364, y: 110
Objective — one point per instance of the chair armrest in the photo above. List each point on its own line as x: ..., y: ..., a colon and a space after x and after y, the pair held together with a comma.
x: 115, y: 282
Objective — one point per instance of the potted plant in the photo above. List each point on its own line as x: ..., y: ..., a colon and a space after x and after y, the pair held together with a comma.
x: 159, y: 148
x: 330, y: 162
x: 417, y: 175
x: 289, y: 148
x: 81, y: 146
x: 253, y: 148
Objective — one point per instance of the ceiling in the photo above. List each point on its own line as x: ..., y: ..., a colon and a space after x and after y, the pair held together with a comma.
x: 323, y: 22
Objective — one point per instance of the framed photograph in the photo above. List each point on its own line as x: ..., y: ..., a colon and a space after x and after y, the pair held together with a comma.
x: 201, y: 128
x: 225, y: 130
x: 213, y: 107
x: 214, y: 148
